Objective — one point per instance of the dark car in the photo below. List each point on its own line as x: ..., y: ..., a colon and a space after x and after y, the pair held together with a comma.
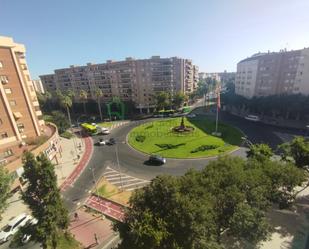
x: 155, y: 159
x: 111, y: 141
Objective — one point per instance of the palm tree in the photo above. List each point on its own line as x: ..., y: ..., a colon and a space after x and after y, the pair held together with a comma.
x: 99, y: 94
x: 66, y: 102
x: 83, y: 96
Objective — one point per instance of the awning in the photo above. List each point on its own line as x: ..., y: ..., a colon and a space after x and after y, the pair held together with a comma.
x: 17, y: 115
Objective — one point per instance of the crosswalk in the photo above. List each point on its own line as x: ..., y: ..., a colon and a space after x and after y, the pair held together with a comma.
x: 124, y: 181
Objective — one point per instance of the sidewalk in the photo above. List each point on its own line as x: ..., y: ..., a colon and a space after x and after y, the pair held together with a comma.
x: 67, y: 165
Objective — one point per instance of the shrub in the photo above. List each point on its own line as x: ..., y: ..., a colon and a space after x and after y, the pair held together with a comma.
x: 205, y: 147
x: 67, y: 135
x: 140, y: 138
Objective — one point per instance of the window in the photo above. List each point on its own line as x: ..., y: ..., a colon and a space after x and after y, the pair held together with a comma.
x: 12, y: 103
x: 8, y: 90
x: 4, y: 79
x: 8, y: 153
x: 20, y: 127
x: 4, y: 135
x: 1, y: 64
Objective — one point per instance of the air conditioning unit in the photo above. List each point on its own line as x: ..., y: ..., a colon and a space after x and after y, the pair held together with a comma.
x: 4, y: 81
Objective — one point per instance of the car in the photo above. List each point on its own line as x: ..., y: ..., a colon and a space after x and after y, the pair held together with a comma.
x: 111, y: 141
x: 252, y: 118
x: 26, y: 237
x: 191, y: 115
x: 104, y: 131
x: 102, y: 141
x: 156, y: 159
x: 13, y: 226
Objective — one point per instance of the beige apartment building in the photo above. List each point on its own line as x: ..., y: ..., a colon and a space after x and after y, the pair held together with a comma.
x: 130, y: 80
x: 284, y: 72
x: 222, y: 77
x: 20, y: 114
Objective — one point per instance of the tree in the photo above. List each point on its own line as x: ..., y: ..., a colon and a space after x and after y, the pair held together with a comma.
x: 298, y: 149
x: 83, y: 96
x: 162, y: 100
x: 5, y: 184
x: 179, y: 99
x: 43, y: 198
x: 99, y: 94
x: 60, y: 120
x: 66, y: 102
x: 260, y: 152
x: 229, y: 197
x: 164, y: 216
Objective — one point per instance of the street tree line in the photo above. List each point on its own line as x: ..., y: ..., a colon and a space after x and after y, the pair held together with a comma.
x: 226, y: 201
x: 293, y: 107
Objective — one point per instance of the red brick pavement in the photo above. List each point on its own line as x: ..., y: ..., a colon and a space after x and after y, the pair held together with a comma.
x: 81, y: 165
x: 86, y: 225
x: 106, y: 207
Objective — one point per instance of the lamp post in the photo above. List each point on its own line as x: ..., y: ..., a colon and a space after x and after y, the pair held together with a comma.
x: 94, y: 180
x: 117, y: 157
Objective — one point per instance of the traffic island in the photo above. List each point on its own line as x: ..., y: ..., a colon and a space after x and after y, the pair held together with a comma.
x: 193, y: 138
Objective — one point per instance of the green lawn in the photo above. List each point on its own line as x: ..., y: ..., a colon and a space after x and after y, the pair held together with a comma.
x: 158, y: 138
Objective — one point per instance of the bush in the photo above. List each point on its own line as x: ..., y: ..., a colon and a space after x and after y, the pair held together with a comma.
x: 205, y: 147
x: 60, y: 120
x: 140, y: 138
x: 67, y: 135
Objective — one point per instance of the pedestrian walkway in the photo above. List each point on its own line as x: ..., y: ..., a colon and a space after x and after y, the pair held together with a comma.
x: 109, y: 208
x: 81, y: 165
x: 86, y: 226
x: 123, y: 181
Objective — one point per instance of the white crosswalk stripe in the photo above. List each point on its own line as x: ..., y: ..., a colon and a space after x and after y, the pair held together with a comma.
x: 128, y: 183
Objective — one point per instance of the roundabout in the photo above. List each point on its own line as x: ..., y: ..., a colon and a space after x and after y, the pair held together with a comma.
x: 184, y: 138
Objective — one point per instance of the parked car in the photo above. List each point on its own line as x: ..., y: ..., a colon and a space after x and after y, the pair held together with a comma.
x: 252, y: 118
x: 156, y: 159
x: 111, y: 141
x: 102, y: 141
x: 26, y: 237
x: 13, y: 226
x: 191, y: 115
x: 104, y: 131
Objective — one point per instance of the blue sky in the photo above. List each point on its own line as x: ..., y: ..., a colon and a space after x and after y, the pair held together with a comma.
x: 214, y: 34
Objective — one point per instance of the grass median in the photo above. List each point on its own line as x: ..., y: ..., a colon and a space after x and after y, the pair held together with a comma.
x: 158, y: 137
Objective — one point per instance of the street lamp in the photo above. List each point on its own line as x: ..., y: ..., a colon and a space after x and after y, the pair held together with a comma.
x: 117, y: 157
x: 94, y: 180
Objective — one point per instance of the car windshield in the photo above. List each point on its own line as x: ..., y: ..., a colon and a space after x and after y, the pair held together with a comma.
x: 7, y: 228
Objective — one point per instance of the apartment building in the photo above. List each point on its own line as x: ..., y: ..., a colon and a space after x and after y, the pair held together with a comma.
x: 38, y: 86
x: 20, y: 114
x: 284, y: 72
x: 130, y: 80
x: 222, y: 77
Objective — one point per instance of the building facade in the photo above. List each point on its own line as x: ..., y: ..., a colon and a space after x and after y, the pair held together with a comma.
x: 263, y: 74
x: 222, y: 77
x: 130, y: 80
x: 21, y: 117
x: 38, y: 86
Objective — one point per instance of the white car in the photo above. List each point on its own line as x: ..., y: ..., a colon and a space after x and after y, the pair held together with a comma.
x: 191, y: 115
x: 27, y: 237
x: 13, y: 226
x: 102, y: 141
x: 105, y: 131
x: 252, y: 118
